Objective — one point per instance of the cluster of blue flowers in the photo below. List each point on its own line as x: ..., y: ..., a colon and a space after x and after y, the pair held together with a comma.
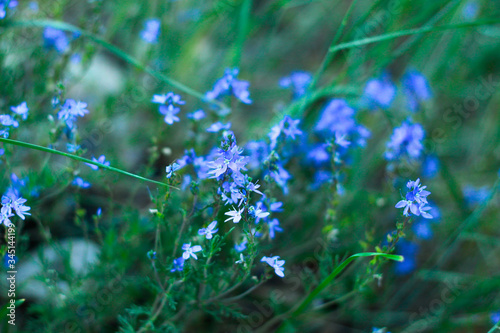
x: 151, y: 31
x: 8, y: 121
x: 6, y: 4
x: 11, y: 203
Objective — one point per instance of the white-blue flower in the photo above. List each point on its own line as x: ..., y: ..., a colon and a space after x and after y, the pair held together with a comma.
x: 190, y: 251
x: 209, y: 231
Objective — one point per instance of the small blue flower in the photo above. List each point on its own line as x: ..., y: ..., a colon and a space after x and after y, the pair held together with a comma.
x: 4, y: 4
x: 21, y: 109
x: 409, y: 251
x: 7, y: 120
x: 209, y: 231
x: 470, y: 10
x: 151, y: 31
x: 55, y: 38
x: 430, y: 166
x: 406, y: 141
x: 274, y: 226
x: 101, y: 159
x: 228, y: 85
x: 189, y: 251
x: 178, y: 265
x: 298, y: 82
x: 474, y: 196
x: 151, y: 255
x: 422, y: 229
x: 197, y: 115
x: 380, y: 92
x: 169, y: 111
x: 415, y: 200
x: 70, y: 110
x: 275, y: 263
x: 13, y: 203
x: 241, y: 246
x: 416, y: 88
x: 218, y: 126
x: 287, y: 126
x: 379, y: 330
x: 71, y: 148
x: 495, y: 317
x: 172, y: 168
x: 80, y: 183
x: 99, y: 211
x: 169, y: 98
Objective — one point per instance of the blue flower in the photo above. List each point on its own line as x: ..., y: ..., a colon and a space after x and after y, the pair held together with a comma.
x: 197, y: 115
x: 21, y: 109
x: 228, y: 85
x: 209, y: 231
x: 169, y: 111
x: 169, y: 98
x: 101, y: 159
x: 218, y: 126
x: 416, y: 88
x: 189, y: 251
x: 151, y: 255
x: 379, y: 92
x: 151, y: 31
x: 474, y: 196
x: 470, y: 10
x: 12, y: 203
x: 298, y: 81
x: 422, y: 229
x: 495, y: 317
x: 71, y: 148
x: 80, y: 183
x: 430, y: 166
x: 274, y: 226
x: 70, y: 110
x: 337, y: 118
x: 229, y: 158
x: 55, y: 38
x: 172, y: 168
x: 379, y: 330
x: 241, y: 246
x: 234, y: 215
x: 276, y: 264
x: 415, y: 200
x: 288, y: 127
x: 406, y: 140
x: 178, y: 265
x: 409, y: 251
x: 4, y: 4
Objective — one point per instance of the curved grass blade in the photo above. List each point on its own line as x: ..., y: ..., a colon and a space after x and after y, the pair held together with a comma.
x: 80, y: 159
x: 408, y: 32
x: 116, y: 51
x: 303, y: 305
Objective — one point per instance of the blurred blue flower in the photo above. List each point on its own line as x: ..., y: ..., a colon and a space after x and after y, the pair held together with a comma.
x: 151, y: 30
x: 70, y: 110
x: 171, y: 169
x: 197, y: 115
x: 169, y: 111
x: 474, y: 195
x: 406, y: 140
x: 169, y: 98
x: 416, y: 88
x: 178, y: 265
x: 430, y: 166
x: 230, y: 85
x: 495, y: 317
x: 241, y: 246
x: 80, y: 183
x: 409, y: 251
x: 7, y: 120
x: 298, y: 81
x: 274, y: 226
x: 288, y: 127
x: 276, y: 264
x: 101, y: 159
x: 56, y: 39
x: 21, y: 109
x: 422, y: 229
x: 218, y: 126
x: 4, y: 4
x: 470, y: 10
x: 379, y: 92
x: 209, y: 231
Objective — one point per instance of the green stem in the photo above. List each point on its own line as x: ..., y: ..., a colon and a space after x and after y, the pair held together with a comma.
x: 328, y: 280
x: 81, y: 159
